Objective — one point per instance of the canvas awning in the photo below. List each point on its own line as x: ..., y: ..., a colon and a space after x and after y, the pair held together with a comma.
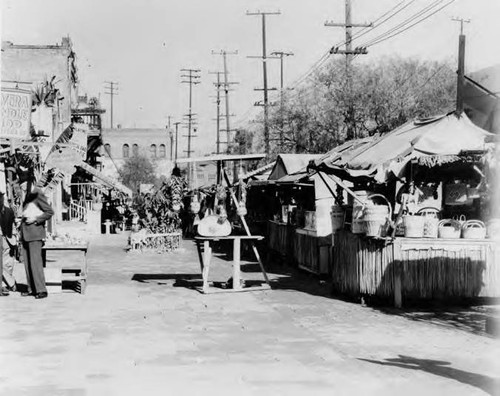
x: 106, y: 180
x: 390, y: 153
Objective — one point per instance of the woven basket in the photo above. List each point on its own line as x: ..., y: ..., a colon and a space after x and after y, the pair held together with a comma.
x: 376, y: 217
x: 473, y: 229
x: 414, y: 226
x: 431, y: 222
x: 449, y: 229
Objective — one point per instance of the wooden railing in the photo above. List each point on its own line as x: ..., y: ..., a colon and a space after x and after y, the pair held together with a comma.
x: 77, y: 212
x: 88, y: 189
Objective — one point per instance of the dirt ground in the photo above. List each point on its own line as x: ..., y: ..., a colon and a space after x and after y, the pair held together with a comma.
x: 142, y: 330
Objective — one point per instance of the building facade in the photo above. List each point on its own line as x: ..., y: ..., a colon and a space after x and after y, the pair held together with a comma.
x: 123, y: 143
x: 31, y: 66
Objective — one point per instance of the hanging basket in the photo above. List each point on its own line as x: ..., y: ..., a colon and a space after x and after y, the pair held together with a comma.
x: 376, y: 217
x: 473, y: 229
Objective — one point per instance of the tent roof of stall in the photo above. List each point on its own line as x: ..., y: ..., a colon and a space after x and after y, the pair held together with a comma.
x: 389, y: 153
x: 222, y: 157
x: 290, y: 163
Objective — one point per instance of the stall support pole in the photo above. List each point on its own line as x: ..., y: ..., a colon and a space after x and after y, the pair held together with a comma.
x: 247, y: 230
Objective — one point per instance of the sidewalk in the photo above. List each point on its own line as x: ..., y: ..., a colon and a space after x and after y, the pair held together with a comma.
x: 140, y: 330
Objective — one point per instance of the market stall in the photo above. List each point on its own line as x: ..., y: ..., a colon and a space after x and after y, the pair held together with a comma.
x: 417, y: 224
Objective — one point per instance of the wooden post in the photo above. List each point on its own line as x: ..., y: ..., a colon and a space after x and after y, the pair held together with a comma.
x: 236, y: 263
x: 247, y: 230
x: 207, y: 255
x: 397, y: 272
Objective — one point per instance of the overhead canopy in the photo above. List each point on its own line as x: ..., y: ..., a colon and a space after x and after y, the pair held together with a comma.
x: 389, y: 153
x: 287, y: 164
x: 221, y: 157
x: 107, y: 181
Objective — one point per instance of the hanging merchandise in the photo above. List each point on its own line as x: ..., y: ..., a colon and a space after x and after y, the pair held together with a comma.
x: 194, y: 207
x: 177, y: 185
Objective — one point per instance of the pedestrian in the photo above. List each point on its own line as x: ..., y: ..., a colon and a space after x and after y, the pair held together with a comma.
x: 36, y: 211
x: 7, y: 246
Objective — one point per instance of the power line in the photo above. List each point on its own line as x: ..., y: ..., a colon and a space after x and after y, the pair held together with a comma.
x: 409, y: 27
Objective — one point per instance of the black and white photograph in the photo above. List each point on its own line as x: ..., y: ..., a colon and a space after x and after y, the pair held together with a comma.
x: 250, y: 197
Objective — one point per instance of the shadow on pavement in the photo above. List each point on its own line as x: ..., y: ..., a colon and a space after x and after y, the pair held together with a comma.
x: 180, y: 280
x: 467, y: 318
x: 441, y: 368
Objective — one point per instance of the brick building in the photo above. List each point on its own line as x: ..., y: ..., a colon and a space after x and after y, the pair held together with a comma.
x: 122, y: 143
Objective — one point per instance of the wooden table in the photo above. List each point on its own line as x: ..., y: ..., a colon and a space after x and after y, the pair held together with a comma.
x: 206, y: 256
x: 71, y: 272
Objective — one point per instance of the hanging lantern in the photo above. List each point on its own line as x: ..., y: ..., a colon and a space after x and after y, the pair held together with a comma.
x: 176, y: 206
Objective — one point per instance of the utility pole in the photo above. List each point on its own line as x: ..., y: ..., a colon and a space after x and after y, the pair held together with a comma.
x: 111, y: 89
x: 176, y: 139
x: 226, y: 94
x: 192, y: 78
x: 217, y: 101
x: 461, y: 66
x: 264, y: 58
x: 280, y: 55
x: 349, y: 52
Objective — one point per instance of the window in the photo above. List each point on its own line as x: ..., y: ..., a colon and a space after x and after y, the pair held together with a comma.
x: 152, y: 150
x: 135, y: 150
x: 107, y: 150
x: 162, y: 151
x: 126, y: 153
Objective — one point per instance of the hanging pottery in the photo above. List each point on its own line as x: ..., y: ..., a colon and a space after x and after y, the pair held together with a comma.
x: 194, y: 207
x: 241, y: 210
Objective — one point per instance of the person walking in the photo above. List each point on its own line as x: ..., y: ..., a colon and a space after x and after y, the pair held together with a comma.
x: 36, y: 211
x: 7, y: 243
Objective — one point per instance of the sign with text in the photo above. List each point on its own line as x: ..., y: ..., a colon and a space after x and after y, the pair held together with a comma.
x: 16, y: 113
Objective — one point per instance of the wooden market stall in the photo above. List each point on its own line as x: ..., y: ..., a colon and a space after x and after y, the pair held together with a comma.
x: 418, y: 214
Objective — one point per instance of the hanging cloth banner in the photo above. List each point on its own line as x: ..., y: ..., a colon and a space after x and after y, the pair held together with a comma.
x: 16, y: 113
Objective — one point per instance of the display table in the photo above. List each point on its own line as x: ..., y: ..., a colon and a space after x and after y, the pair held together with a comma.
x: 70, y: 272
x: 205, y: 257
x: 415, y: 268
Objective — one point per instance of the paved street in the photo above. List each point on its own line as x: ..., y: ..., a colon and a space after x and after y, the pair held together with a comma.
x: 140, y: 329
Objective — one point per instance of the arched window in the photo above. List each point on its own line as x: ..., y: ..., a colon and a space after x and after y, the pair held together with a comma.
x: 135, y: 150
x: 126, y: 152
x: 107, y: 150
x: 152, y: 150
x: 162, y: 151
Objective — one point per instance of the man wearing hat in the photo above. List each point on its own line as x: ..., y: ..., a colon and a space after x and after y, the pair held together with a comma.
x: 7, y: 245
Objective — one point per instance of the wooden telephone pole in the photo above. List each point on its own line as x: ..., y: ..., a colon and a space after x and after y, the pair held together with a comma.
x: 226, y: 85
x: 461, y: 66
x: 280, y: 55
x: 111, y: 90
x: 264, y: 58
x: 192, y: 78
x: 349, y: 52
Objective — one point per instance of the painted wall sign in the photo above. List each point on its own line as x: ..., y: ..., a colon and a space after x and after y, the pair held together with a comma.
x: 16, y: 113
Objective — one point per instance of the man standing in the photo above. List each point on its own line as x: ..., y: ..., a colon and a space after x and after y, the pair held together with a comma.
x: 6, y: 244
x: 36, y: 211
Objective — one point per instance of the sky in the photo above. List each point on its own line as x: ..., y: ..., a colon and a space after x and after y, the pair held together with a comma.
x: 144, y: 44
